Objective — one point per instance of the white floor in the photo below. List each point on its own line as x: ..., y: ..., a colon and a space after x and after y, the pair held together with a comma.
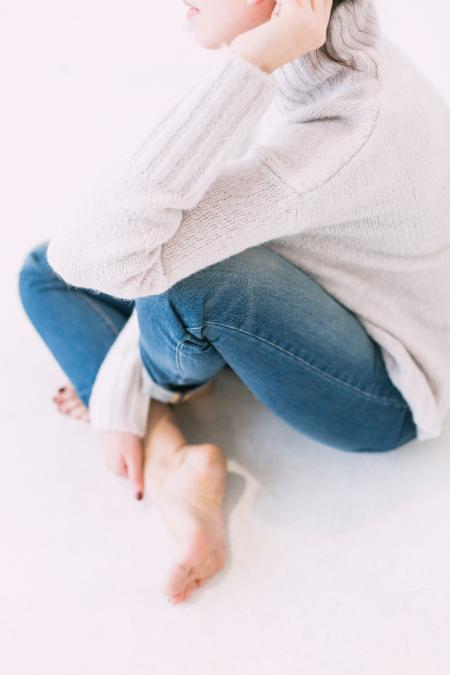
x: 339, y: 564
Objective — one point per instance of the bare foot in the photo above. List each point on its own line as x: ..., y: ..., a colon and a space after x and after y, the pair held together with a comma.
x: 187, y: 484
x: 68, y: 403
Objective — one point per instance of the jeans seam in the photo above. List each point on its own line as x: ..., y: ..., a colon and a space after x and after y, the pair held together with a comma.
x: 381, y: 399
x: 106, y: 320
x: 180, y: 344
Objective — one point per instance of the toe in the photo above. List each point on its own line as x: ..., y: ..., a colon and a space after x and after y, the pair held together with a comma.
x: 191, y: 587
x: 79, y: 412
x: 176, y: 599
x: 177, y: 580
x: 74, y: 408
x: 64, y: 393
x: 70, y: 405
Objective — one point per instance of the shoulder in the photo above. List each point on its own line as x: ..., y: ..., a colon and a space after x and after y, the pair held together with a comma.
x: 313, y: 150
x: 377, y: 128
x: 412, y: 107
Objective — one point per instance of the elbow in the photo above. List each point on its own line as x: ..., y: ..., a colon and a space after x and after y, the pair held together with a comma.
x: 64, y: 263
x: 130, y: 288
x: 74, y: 269
x: 116, y: 279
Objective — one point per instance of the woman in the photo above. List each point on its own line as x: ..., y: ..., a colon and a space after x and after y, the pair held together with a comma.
x: 315, y: 266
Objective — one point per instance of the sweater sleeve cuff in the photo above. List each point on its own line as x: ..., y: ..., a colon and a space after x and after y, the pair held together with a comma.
x: 117, y: 401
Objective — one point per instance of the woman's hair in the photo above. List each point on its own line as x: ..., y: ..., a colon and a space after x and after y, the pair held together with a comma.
x: 324, y: 48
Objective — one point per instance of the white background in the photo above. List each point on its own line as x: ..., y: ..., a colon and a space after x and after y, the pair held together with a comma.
x: 339, y: 564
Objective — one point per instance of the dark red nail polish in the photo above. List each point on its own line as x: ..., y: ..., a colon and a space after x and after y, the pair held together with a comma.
x: 139, y: 495
x: 61, y: 389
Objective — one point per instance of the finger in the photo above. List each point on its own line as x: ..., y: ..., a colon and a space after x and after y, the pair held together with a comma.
x: 70, y: 405
x: 135, y: 470
x: 118, y: 466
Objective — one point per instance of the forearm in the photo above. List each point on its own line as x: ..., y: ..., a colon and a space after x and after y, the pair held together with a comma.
x: 117, y: 247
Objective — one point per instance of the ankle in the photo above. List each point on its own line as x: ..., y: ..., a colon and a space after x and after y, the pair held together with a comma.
x: 163, y: 435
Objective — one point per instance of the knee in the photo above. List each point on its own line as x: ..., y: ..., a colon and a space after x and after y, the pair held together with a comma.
x: 227, y: 283
x: 388, y: 447
x: 378, y: 446
x: 34, y: 267
x: 229, y: 288
x: 35, y: 261
x: 373, y: 449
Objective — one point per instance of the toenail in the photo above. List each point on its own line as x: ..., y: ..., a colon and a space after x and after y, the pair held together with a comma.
x: 61, y: 389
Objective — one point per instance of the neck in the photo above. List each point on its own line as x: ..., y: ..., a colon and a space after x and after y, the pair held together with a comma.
x: 354, y: 35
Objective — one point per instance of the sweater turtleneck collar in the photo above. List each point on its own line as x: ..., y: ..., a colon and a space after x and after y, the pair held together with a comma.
x: 354, y: 36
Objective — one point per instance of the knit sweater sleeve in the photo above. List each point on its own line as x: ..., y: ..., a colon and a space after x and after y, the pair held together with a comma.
x: 246, y: 190
x: 180, y: 203
x: 118, y: 401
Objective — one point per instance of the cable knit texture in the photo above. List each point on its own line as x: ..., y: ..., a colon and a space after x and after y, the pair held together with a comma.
x: 352, y: 187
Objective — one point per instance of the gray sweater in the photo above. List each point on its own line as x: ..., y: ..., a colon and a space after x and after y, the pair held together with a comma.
x: 352, y: 187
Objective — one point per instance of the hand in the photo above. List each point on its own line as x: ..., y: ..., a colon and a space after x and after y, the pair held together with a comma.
x: 124, y: 456
x: 295, y: 27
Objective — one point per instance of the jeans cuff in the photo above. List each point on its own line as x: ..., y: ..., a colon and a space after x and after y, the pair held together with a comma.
x: 156, y: 391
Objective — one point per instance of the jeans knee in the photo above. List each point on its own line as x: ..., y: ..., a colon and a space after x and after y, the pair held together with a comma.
x: 34, y: 266
x: 216, y: 289
x: 378, y: 450
x: 34, y: 259
x: 389, y: 447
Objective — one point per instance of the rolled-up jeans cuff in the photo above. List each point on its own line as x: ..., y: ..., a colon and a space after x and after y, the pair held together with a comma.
x: 156, y: 391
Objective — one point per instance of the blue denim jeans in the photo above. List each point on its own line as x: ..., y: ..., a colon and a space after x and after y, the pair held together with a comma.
x: 301, y: 353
